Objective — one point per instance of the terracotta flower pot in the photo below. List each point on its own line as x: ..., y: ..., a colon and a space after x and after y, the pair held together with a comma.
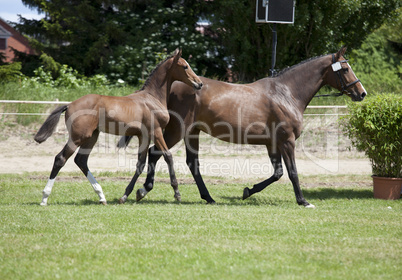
x: 387, y: 188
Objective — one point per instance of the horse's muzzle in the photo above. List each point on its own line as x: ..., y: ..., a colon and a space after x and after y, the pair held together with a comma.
x: 357, y: 97
x: 360, y: 97
x: 197, y: 85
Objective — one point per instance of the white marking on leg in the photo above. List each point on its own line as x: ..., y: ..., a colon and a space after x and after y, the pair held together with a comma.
x: 46, y: 191
x: 310, y: 206
x: 96, y: 186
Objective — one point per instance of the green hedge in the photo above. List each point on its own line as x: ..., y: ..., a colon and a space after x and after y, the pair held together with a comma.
x: 375, y: 127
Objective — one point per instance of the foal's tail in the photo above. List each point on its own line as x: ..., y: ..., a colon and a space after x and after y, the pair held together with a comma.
x: 124, y: 141
x: 49, y: 125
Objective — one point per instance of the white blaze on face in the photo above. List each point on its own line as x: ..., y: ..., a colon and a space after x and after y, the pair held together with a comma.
x: 364, y: 90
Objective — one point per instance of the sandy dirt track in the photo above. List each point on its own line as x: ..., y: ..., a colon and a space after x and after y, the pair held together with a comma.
x: 19, y: 155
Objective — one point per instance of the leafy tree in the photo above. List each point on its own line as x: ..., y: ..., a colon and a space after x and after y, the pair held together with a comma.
x: 2, y: 58
x: 122, y: 37
x: 160, y: 29
x: 78, y: 33
x: 377, y: 62
x: 118, y: 37
x: 320, y: 27
x: 28, y: 62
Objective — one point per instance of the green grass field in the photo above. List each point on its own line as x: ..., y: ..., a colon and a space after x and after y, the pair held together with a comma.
x: 349, y: 235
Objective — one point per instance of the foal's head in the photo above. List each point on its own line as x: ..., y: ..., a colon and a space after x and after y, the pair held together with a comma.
x: 180, y: 70
x: 342, y: 77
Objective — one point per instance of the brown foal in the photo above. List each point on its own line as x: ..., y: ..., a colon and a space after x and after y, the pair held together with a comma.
x: 143, y: 114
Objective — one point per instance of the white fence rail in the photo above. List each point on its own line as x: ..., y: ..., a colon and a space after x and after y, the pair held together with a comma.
x: 30, y: 102
x: 34, y: 102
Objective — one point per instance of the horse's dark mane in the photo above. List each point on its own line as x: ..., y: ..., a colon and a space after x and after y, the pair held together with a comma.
x: 283, y: 71
x: 147, y: 82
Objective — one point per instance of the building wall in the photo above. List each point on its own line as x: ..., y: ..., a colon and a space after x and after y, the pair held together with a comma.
x: 16, y: 41
x: 12, y: 42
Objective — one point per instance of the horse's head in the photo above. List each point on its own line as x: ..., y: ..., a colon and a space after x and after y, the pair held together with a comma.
x: 342, y: 77
x: 180, y: 70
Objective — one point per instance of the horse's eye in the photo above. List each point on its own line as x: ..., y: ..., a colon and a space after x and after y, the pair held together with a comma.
x: 185, y: 67
x: 346, y: 70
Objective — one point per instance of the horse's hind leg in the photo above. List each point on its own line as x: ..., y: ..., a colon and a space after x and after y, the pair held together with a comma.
x: 167, y: 155
x: 59, y: 161
x: 142, y: 192
x: 142, y: 157
x: 154, y: 154
x: 276, y: 160
x: 81, y: 159
x: 172, y: 135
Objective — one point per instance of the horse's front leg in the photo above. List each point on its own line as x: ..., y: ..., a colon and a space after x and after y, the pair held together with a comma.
x: 81, y: 159
x: 288, y: 152
x: 59, y: 161
x: 192, y: 141
x: 142, y: 156
x: 167, y: 155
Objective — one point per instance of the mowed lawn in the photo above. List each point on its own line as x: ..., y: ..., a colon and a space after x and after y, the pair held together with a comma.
x: 349, y: 235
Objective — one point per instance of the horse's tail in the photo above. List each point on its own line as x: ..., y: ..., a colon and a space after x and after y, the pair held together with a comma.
x: 48, y: 127
x: 124, y: 141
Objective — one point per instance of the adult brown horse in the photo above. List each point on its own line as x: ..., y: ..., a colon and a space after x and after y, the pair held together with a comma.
x: 267, y: 112
x: 143, y: 114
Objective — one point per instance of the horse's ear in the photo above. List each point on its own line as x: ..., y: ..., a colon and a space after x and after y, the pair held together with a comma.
x: 177, y: 55
x: 341, y: 52
x: 177, y: 52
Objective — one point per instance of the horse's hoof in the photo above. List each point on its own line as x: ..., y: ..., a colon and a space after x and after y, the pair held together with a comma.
x: 304, y: 203
x: 103, y: 202
x: 141, y: 193
x: 246, y: 193
x: 43, y: 204
x: 177, y: 197
x: 211, y: 202
x: 122, y: 200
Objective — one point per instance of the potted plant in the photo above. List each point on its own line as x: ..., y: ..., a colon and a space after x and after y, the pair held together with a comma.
x: 375, y: 127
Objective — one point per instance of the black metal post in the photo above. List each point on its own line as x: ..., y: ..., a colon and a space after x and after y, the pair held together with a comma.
x: 273, y: 58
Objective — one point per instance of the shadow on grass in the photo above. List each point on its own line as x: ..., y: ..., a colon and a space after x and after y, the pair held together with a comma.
x: 88, y: 202
x: 74, y: 202
x: 318, y: 194
x: 238, y: 201
x: 153, y: 201
x: 229, y: 200
x: 328, y: 193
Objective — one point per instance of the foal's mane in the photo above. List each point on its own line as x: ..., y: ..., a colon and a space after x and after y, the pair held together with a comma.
x: 283, y: 71
x: 148, y: 81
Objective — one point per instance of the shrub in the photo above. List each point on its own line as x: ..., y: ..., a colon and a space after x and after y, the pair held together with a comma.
x: 375, y: 127
x: 10, y: 72
x: 67, y: 77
